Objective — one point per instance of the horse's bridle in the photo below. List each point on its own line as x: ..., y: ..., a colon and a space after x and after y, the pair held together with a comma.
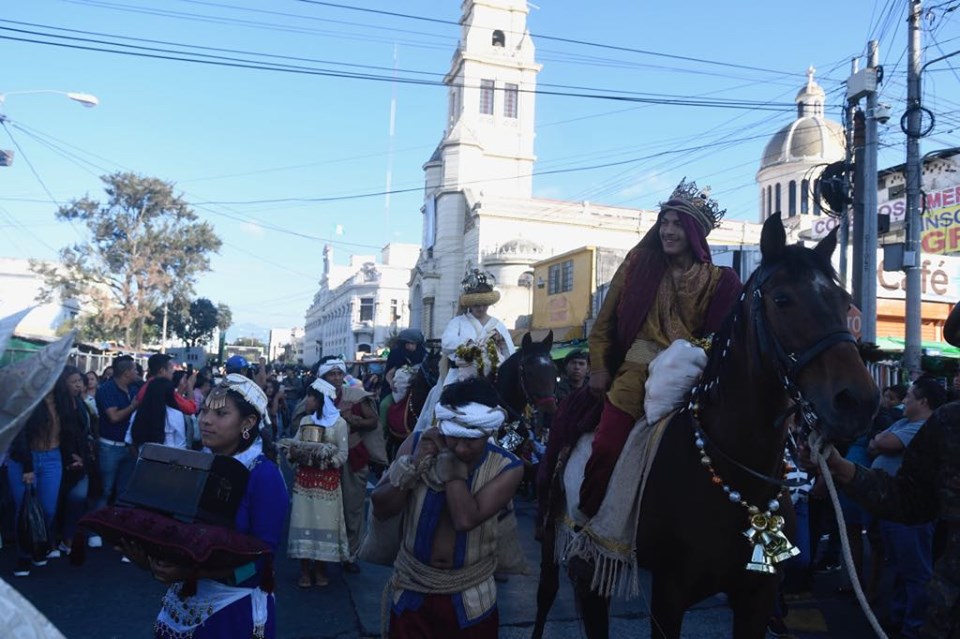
x: 535, y: 400
x: 788, y: 366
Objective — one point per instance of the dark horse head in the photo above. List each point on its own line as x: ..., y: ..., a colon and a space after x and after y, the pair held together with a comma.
x: 529, y: 377
x: 797, y: 328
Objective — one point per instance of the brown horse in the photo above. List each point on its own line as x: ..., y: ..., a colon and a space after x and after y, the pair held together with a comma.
x: 785, y: 350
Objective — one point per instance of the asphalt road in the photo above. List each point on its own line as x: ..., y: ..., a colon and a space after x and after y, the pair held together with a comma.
x: 107, y: 599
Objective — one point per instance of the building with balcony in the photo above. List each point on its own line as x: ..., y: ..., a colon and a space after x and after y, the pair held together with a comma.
x: 359, y: 308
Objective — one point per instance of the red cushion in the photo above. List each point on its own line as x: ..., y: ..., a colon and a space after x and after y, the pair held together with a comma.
x: 203, y: 545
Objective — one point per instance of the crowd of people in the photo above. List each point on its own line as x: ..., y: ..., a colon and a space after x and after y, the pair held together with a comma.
x: 448, y: 487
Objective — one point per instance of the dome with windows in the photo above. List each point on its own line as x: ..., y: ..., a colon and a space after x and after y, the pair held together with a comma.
x: 811, y: 137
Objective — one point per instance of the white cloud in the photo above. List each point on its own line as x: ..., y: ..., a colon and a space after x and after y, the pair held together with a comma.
x: 252, y: 228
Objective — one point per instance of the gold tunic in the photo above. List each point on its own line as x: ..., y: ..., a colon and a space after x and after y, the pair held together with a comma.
x: 678, y: 312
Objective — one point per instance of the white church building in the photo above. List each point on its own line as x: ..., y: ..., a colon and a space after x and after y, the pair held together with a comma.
x: 479, y: 209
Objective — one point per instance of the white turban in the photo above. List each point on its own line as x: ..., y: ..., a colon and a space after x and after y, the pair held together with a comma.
x: 330, y: 365
x: 472, y: 421
x: 327, y: 415
x: 325, y: 388
x: 246, y: 388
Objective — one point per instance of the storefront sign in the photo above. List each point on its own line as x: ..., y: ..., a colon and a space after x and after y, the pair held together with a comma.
x: 939, y: 279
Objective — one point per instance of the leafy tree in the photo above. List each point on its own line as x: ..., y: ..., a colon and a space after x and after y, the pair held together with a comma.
x: 145, y: 246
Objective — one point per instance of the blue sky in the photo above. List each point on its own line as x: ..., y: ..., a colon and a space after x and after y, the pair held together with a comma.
x: 240, y: 135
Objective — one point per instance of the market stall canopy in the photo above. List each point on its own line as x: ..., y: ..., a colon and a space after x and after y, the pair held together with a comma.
x: 930, y: 349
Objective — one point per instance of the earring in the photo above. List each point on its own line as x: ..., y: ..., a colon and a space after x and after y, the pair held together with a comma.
x: 246, y: 434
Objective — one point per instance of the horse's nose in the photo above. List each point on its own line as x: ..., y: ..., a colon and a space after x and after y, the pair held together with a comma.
x: 857, y: 406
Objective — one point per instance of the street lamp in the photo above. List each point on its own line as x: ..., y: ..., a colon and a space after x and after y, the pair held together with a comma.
x: 86, y: 99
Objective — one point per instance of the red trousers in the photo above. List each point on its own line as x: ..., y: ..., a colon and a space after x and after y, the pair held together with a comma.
x: 437, y: 619
x: 608, y: 440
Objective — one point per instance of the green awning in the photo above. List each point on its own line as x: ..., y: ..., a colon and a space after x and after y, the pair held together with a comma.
x: 560, y: 351
x: 930, y: 349
x: 18, y: 349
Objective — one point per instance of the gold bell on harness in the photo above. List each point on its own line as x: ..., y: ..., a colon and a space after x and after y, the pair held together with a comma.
x: 760, y: 562
x: 776, y: 544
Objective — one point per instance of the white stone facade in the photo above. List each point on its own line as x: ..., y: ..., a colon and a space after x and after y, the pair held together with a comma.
x: 359, y: 308
x: 478, y: 206
x: 19, y: 288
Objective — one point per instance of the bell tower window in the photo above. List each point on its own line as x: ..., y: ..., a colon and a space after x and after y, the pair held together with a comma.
x: 486, y: 97
x: 510, y: 94
x: 498, y: 40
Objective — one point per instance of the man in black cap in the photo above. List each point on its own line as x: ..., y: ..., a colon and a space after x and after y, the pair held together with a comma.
x: 926, y: 487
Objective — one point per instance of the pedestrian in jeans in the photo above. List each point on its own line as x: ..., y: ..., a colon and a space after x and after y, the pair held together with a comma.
x: 35, y: 460
x: 116, y: 401
x: 78, y: 455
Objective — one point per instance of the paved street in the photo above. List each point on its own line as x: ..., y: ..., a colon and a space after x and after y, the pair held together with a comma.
x: 106, y: 599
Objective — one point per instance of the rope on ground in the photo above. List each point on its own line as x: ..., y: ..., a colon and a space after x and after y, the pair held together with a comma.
x: 820, y: 456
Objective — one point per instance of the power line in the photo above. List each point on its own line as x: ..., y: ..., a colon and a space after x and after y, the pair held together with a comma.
x: 356, y: 196
x: 541, y: 36
x: 234, y: 62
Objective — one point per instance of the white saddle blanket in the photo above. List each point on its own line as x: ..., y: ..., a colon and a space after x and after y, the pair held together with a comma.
x: 608, y: 540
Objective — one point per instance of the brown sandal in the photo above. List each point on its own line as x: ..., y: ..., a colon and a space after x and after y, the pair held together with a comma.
x: 304, y: 581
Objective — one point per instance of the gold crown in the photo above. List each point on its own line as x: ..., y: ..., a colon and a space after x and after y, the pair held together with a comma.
x: 709, y: 210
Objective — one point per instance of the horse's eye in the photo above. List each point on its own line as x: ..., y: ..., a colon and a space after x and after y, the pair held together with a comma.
x: 782, y: 300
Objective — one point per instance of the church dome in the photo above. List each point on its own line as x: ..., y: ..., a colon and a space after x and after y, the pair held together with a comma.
x: 515, y: 251
x: 811, y: 138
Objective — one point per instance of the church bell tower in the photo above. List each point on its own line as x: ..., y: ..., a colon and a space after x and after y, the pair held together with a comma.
x: 488, y: 142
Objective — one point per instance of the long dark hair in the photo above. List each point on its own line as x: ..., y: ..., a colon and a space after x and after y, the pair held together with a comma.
x: 149, y: 424
x: 39, y: 424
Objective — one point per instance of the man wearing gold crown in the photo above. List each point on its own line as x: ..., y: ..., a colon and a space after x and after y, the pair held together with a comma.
x: 666, y: 289
x: 475, y: 342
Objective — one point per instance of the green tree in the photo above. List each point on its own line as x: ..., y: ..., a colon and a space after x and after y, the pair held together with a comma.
x: 145, y: 246
x: 194, y: 323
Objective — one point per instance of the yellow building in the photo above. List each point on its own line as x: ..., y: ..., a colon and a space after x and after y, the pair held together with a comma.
x: 565, y: 288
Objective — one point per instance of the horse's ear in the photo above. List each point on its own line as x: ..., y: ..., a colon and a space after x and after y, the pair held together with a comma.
x: 526, y: 342
x: 548, y: 342
x: 773, y: 239
x: 827, y: 245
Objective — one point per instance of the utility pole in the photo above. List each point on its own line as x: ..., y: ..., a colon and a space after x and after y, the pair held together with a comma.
x: 911, y: 254
x: 861, y: 84
x: 163, y: 341
x: 846, y: 214
x: 870, y: 241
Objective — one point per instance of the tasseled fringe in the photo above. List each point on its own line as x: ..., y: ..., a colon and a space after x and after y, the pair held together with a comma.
x: 78, y: 550
x: 562, y: 541
x: 614, y: 575
x: 268, y: 578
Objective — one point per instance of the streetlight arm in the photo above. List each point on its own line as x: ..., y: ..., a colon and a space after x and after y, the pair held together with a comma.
x: 86, y: 99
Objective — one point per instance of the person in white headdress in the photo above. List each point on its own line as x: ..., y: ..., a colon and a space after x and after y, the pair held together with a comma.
x: 475, y: 342
x: 231, y: 602
x: 318, y: 452
x: 450, y: 482
x: 366, y: 444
